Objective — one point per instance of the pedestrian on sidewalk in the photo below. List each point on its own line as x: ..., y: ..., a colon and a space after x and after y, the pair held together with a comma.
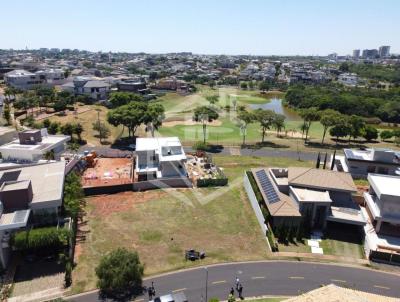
x: 240, y: 290
x: 232, y: 292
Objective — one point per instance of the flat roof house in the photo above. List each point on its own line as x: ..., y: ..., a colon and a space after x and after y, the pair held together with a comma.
x: 382, y: 233
x: 359, y: 162
x: 27, y: 191
x: 320, y: 195
x: 32, y: 145
x: 159, y: 157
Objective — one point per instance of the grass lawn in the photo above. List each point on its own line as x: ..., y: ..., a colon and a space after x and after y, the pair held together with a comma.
x: 162, y: 224
x: 87, y: 119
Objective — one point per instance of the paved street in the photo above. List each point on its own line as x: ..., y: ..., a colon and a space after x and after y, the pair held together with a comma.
x: 266, y: 278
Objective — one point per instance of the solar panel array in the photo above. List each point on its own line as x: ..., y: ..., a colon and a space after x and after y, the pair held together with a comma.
x: 267, y: 187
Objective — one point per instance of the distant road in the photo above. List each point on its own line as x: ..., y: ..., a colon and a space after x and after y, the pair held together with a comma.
x: 279, y: 278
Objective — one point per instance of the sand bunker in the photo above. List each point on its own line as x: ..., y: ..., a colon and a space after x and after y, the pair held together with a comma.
x: 189, y: 123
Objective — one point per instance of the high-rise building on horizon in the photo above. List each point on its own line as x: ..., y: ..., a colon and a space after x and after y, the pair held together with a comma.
x: 384, y: 51
x: 370, y: 53
x: 356, y: 53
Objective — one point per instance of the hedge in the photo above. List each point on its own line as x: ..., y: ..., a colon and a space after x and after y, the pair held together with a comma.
x: 35, y: 239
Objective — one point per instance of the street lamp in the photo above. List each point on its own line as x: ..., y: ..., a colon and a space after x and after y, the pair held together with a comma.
x: 206, y: 283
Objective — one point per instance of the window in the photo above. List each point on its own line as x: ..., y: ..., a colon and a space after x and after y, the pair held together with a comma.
x: 383, y: 170
x: 371, y: 169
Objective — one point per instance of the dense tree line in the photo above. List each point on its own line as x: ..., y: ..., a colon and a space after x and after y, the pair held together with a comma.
x: 350, y: 101
x: 376, y: 72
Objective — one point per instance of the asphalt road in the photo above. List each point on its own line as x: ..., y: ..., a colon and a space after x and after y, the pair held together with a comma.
x: 265, y: 278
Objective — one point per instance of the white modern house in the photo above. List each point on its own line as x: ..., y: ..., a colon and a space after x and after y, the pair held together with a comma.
x: 159, y: 158
x: 22, y: 79
x: 26, y: 80
x: 24, y: 192
x: 382, y: 206
x: 359, y: 162
x: 32, y: 145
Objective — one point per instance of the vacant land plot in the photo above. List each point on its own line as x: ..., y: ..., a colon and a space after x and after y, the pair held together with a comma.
x: 88, y: 116
x: 162, y: 224
x: 108, y: 171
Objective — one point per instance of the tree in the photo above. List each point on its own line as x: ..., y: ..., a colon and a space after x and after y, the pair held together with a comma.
x: 67, y: 129
x: 73, y: 195
x: 119, y: 272
x: 369, y: 133
x: 386, y: 134
x: 212, y: 99
x: 53, y: 128
x: 46, y: 123
x: 245, y: 118
x: 155, y: 114
x: 279, y: 122
x: 78, y: 129
x: 264, y: 86
x: 60, y: 105
x: 340, y: 129
x: 357, y: 125
x: 328, y: 119
x: 266, y: 119
x: 243, y: 85
x: 131, y: 115
x: 309, y: 115
x: 7, y: 113
x: 204, y: 115
x: 122, y: 98
x: 104, y: 131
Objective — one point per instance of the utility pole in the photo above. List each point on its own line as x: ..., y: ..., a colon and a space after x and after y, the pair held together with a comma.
x: 206, y: 284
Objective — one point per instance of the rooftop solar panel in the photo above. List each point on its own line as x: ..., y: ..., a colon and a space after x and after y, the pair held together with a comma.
x: 267, y: 187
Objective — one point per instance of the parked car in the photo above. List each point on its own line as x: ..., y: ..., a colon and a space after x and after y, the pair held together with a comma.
x: 194, y: 255
x: 174, y: 297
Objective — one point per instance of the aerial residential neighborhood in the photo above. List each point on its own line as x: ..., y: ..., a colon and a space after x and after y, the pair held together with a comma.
x: 202, y: 152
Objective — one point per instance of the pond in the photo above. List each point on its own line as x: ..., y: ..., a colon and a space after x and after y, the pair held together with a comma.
x: 275, y: 105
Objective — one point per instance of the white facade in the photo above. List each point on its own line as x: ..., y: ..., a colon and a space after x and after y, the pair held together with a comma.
x: 25, y: 80
x: 21, y: 153
x: 161, y: 157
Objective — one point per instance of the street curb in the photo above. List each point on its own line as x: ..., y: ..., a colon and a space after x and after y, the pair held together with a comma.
x: 243, y: 262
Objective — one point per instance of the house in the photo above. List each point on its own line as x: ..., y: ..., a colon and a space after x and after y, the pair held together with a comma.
x: 160, y: 157
x: 348, y: 79
x: 319, y: 196
x: 33, y: 145
x: 359, y: 162
x: 22, y: 79
x: 93, y: 88
x: 26, y: 80
x: 27, y: 192
x: 382, y: 206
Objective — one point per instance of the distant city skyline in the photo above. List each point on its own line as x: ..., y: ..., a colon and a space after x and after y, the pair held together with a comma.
x: 254, y: 27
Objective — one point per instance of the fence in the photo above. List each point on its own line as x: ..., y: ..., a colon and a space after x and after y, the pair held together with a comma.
x: 391, y: 258
x: 256, y: 207
x: 107, y: 189
x: 179, y: 182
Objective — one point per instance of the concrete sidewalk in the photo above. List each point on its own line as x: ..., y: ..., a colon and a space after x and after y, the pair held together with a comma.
x: 322, y: 257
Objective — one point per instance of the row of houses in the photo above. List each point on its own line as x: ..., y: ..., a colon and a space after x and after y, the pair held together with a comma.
x: 329, y: 198
x: 31, y: 185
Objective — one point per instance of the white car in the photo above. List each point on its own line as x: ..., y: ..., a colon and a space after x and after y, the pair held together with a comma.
x: 175, y: 297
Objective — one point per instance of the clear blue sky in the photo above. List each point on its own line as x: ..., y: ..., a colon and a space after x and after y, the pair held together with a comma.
x: 213, y: 27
